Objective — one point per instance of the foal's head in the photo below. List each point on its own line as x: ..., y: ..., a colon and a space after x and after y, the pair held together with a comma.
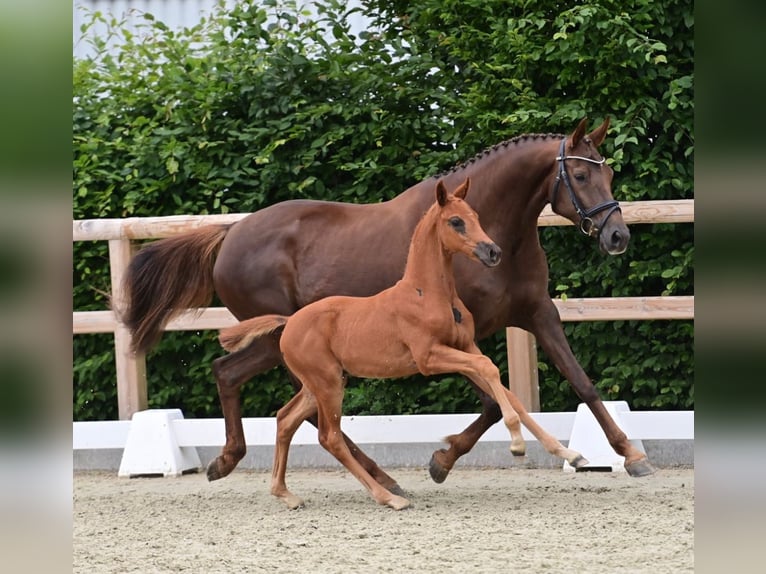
x: 459, y: 229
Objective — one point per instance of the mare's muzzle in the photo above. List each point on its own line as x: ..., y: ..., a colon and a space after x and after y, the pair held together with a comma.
x: 488, y: 253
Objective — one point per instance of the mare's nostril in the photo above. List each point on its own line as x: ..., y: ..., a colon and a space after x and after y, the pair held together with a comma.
x: 616, y: 238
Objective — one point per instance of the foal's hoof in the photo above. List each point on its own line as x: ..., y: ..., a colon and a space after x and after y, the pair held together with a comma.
x: 640, y: 467
x: 294, y: 502
x: 398, y: 503
x: 396, y: 490
x: 578, y: 462
x: 436, y: 470
x: 518, y: 447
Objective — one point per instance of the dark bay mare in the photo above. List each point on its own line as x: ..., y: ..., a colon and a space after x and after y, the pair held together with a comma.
x: 419, y: 325
x: 288, y: 255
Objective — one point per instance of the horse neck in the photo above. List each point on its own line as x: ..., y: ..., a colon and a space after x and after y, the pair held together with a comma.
x: 510, y: 183
x: 429, y: 265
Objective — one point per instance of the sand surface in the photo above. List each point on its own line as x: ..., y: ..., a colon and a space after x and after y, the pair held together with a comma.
x: 479, y: 520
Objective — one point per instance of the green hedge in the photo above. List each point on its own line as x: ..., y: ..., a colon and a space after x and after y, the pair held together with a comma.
x: 266, y: 102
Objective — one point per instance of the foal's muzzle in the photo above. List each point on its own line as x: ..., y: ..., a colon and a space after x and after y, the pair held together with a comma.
x: 488, y: 253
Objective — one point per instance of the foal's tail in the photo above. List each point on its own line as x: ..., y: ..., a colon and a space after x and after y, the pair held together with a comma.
x: 165, y: 278
x: 242, y: 334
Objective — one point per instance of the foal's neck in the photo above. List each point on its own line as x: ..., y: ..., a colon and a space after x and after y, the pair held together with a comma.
x: 429, y: 265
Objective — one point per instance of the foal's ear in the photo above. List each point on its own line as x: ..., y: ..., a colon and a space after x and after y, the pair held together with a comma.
x: 441, y: 193
x: 579, y: 132
x: 462, y: 189
x: 598, y: 135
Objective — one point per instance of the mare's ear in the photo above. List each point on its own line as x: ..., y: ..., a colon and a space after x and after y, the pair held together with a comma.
x: 441, y: 193
x: 598, y: 135
x: 462, y: 189
x: 579, y: 132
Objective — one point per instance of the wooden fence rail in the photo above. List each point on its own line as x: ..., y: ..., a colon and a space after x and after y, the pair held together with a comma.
x: 522, y: 352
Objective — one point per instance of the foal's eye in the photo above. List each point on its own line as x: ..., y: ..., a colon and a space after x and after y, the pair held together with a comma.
x: 457, y: 223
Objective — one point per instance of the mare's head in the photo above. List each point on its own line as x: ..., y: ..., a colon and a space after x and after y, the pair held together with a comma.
x: 458, y: 226
x: 582, y: 190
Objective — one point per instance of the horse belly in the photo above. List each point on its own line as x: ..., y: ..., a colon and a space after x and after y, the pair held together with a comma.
x: 372, y: 348
x: 376, y: 359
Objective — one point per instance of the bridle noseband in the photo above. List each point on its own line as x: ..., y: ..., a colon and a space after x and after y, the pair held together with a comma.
x: 587, y: 225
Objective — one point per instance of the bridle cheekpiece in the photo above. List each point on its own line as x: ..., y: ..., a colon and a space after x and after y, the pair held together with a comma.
x: 587, y: 225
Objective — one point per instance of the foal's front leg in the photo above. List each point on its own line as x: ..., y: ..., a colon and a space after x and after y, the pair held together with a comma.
x: 549, y: 442
x: 483, y: 372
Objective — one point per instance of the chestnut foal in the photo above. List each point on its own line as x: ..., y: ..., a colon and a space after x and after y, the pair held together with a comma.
x: 418, y: 325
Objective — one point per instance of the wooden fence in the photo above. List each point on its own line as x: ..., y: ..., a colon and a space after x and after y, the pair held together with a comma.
x: 522, y: 352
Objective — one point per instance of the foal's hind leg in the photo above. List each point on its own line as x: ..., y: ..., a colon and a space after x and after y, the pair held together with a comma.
x: 329, y: 403
x: 323, y: 377
x: 369, y: 465
x: 230, y: 372
x: 289, y: 419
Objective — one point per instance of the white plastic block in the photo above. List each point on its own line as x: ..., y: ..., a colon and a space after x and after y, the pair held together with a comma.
x: 152, y: 448
x: 589, y: 440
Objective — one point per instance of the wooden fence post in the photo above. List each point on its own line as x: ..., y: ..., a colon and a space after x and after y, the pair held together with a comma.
x: 522, y: 367
x: 131, y: 369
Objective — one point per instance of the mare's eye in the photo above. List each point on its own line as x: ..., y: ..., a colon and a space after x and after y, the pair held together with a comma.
x: 580, y: 177
x: 457, y: 224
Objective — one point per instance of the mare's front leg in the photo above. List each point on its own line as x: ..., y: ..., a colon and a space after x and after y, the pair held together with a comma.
x: 443, y: 460
x: 547, y: 328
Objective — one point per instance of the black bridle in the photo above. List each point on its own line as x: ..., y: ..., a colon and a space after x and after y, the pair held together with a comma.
x: 587, y: 225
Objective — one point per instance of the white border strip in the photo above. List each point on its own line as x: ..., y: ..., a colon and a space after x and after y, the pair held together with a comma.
x: 394, y: 429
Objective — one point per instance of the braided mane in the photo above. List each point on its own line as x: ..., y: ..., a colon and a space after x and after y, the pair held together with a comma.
x: 490, y: 150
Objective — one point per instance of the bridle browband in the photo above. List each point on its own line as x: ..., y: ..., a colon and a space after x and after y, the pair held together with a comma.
x: 587, y: 226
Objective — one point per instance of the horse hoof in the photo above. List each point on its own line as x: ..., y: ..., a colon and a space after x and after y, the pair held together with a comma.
x: 398, y: 503
x: 518, y: 448
x: 578, y: 462
x: 294, y: 502
x: 396, y: 490
x: 639, y: 468
x: 214, y: 471
x: 437, y: 471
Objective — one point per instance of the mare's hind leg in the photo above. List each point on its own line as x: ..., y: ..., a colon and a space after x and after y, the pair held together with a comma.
x: 230, y: 372
x: 289, y: 418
